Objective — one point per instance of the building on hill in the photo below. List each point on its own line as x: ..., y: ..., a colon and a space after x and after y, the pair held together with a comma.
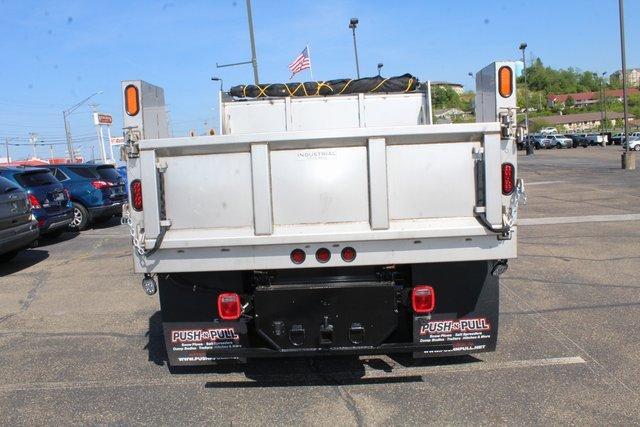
x: 582, y: 122
x: 633, y: 76
x: 457, y: 87
x: 582, y: 99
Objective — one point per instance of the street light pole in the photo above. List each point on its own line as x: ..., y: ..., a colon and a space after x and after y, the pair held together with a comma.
x: 353, y: 23
x: 604, y: 101
x: 522, y: 47
x: 67, y: 127
x: 627, y: 162
x: 254, y: 60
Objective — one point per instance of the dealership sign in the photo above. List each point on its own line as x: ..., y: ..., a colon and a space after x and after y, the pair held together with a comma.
x: 102, y: 119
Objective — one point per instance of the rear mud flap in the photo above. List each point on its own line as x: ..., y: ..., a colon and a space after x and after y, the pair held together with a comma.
x: 465, y: 319
x: 191, y: 343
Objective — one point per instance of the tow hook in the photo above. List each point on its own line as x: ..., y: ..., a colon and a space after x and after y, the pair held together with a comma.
x: 500, y: 267
x: 149, y: 284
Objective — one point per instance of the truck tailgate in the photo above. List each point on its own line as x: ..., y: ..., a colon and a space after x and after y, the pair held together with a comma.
x: 367, y: 184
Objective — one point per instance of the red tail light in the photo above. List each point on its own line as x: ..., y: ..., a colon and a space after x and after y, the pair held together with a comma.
x: 100, y: 184
x: 508, y: 178
x: 229, y: 307
x: 423, y: 299
x: 136, y: 195
x: 35, y: 203
x: 348, y: 254
x: 323, y: 255
x: 298, y: 256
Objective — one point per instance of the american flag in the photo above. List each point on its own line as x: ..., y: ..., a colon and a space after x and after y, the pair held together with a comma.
x: 302, y: 62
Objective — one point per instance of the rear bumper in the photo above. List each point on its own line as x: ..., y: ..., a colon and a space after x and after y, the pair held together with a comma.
x: 109, y: 210
x: 55, y: 222
x: 331, y: 319
x: 19, y: 237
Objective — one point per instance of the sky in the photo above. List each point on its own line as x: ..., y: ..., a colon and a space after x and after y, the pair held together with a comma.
x: 56, y: 53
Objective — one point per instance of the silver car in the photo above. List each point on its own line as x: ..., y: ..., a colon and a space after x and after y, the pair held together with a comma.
x: 561, y: 141
x: 540, y: 141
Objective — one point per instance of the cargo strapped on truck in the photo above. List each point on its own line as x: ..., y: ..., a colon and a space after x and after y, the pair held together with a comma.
x: 377, y: 84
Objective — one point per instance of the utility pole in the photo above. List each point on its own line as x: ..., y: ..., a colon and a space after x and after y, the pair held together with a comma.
x: 628, y: 159
x: 33, y: 139
x: 6, y: 146
x: 353, y: 23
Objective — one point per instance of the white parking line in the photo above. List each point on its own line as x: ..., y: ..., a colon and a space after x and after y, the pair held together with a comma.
x: 370, y: 373
x: 578, y: 219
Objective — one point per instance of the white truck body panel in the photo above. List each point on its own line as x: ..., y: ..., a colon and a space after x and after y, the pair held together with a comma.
x: 367, y: 171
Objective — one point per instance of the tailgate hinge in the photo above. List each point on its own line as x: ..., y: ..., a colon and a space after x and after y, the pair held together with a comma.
x: 161, y: 165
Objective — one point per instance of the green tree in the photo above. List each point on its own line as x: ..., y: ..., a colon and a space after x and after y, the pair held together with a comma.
x: 445, y: 97
x: 570, y: 102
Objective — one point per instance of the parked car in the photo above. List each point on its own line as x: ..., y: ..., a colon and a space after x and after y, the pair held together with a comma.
x: 561, y: 141
x: 49, y: 200
x: 595, y: 138
x: 618, y: 138
x: 548, y: 130
x: 634, y: 144
x: 540, y: 141
x: 579, y: 140
x: 122, y: 170
x: 18, y: 227
x: 97, y: 191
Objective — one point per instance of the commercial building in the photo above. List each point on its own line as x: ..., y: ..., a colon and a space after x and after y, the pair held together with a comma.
x: 582, y: 122
x: 633, y: 76
x: 582, y: 99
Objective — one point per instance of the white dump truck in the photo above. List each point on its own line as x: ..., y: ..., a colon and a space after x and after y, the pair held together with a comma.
x: 325, y: 225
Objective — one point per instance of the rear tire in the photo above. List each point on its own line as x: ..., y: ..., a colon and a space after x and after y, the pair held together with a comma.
x: 636, y: 148
x: 8, y: 256
x: 80, y: 218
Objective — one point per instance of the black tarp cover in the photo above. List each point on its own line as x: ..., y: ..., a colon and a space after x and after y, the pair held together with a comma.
x: 377, y: 84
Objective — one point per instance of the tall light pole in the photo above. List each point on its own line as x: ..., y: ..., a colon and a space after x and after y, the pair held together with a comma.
x: 604, y: 101
x: 627, y: 162
x: 380, y: 65
x: 67, y: 127
x: 522, y: 47
x: 353, y: 23
x: 254, y: 59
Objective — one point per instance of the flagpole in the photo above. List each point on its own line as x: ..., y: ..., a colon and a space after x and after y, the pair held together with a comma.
x: 310, y: 66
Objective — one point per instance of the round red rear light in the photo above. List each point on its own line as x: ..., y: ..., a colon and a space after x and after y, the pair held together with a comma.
x: 298, y: 256
x: 323, y: 255
x: 348, y: 254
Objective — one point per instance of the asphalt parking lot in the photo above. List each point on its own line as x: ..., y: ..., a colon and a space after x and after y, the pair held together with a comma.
x: 80, y: 343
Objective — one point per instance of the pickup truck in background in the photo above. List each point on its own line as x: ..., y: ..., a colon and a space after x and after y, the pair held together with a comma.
x: 325, y: 225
